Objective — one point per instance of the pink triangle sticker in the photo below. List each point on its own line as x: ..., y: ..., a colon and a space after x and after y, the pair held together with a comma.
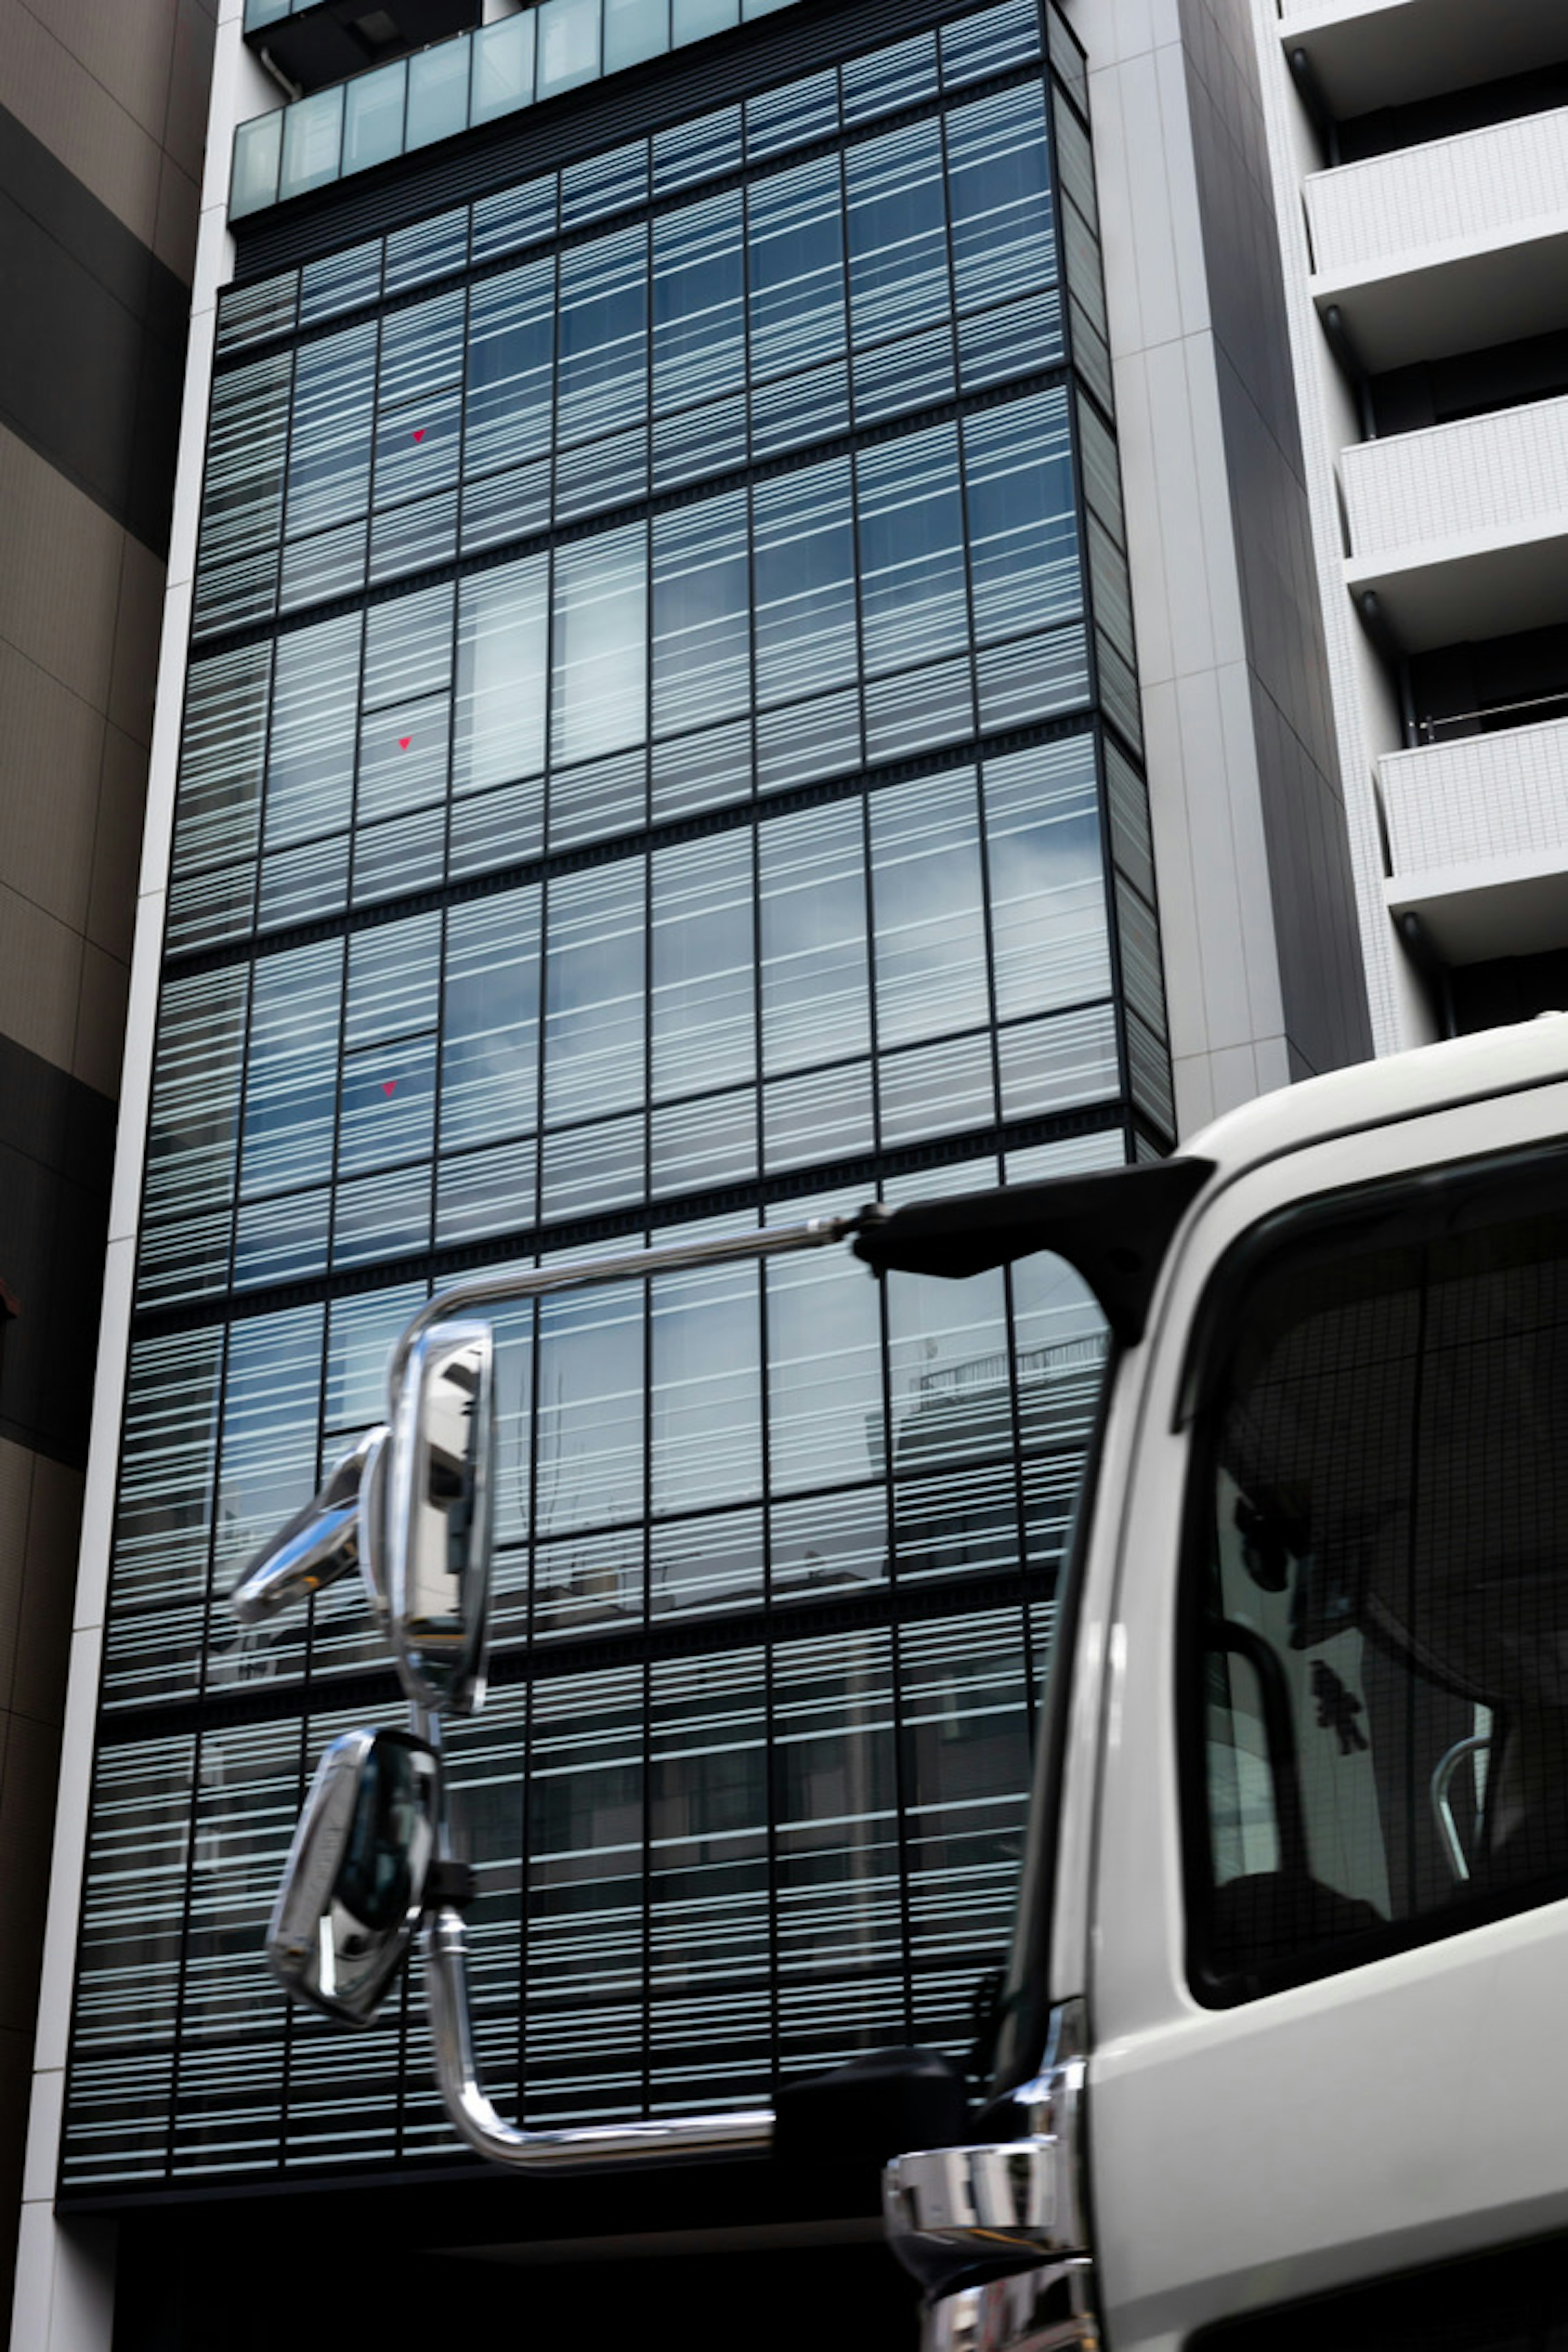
x: 419, y: 433
x: 389, y: 1085
x: 404, y: 741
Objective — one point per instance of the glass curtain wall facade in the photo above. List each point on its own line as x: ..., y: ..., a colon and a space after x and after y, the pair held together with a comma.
x: 661, y: 753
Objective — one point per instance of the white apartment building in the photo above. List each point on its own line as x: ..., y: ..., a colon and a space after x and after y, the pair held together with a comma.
x: 1420, y: 156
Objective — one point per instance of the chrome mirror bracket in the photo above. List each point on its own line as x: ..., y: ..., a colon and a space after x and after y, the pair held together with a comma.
x: 320, y: 1543
x: 997, y: 2234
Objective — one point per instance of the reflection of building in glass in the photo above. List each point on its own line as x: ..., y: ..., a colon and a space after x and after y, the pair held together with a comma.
x: 661, y: 750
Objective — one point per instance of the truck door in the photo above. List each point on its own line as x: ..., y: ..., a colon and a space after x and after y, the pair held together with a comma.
x: 1329, y: 1952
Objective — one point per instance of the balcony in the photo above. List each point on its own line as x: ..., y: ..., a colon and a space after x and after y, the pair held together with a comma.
x: 312, y: 42
x: 457, y: 85
x: 1446, y: 247
x: 1373, y: 53
x: 1462, y: 532
x: 1478, y: 840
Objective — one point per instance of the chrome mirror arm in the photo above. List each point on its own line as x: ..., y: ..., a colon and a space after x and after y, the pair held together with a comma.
x: 320, y: 1543
x: 747, y: 2132
x: 470, y: 2108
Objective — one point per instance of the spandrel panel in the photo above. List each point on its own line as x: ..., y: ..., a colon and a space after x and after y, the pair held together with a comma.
x: 1050, y: 1065
x: 984, y: 44
x: 889, y: 79
x: 827, y: 1543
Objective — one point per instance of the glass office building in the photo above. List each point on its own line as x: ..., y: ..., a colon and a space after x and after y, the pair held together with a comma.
x: 661, y: 753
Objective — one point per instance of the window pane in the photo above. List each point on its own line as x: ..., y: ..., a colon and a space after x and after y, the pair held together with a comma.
x: 594, y: 986
x: 702, y: 614
x: 814, y: 978
x: 805, y: 584
x: 501, y: 670
x: 599, y: 664
x: 911, y: 550
x: 703, y: 965
x: 1047, y: 885
x: 699, y: 296
x: 490, y: 1043
x: 1023, y: 532
x: 796, y: 249
x: 511, y: 356
x: 897, y: 233
x: 929, y: 930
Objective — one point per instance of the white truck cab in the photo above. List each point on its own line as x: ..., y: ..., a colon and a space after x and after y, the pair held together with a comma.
x: 1279, y: 2059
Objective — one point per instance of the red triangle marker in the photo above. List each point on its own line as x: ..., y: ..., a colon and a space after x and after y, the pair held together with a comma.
x: 389, y: 1085
x: 419, y: 433
x: 404, y: 741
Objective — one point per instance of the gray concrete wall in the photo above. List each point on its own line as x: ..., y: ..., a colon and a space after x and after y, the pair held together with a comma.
x: 102, y: 125
x: 1261, y: 963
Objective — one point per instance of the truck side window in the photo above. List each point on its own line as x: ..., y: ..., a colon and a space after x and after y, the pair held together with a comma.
x: 1376, y: 1696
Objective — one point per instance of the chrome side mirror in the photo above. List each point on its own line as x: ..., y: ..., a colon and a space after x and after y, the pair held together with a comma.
x: 320, y: 1543
x: 439, y: 1510
x: 354, y: 1882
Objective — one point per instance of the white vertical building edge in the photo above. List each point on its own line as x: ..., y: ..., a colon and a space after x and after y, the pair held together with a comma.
x: 1366, y: 720
x: 1221, y: 951
x: 65, y: 2269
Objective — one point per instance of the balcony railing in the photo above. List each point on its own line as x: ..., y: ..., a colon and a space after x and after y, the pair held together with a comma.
x: 477, y: 77
x: 1463, y: 522
x: 1478, y: 840
x: 1399, y: 211
x: 1489, y: 716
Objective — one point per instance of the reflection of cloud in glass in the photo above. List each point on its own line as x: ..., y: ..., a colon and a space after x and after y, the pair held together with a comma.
x: 599, y: 665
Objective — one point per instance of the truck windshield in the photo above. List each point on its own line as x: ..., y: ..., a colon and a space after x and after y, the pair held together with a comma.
x: 1376, y: 1590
